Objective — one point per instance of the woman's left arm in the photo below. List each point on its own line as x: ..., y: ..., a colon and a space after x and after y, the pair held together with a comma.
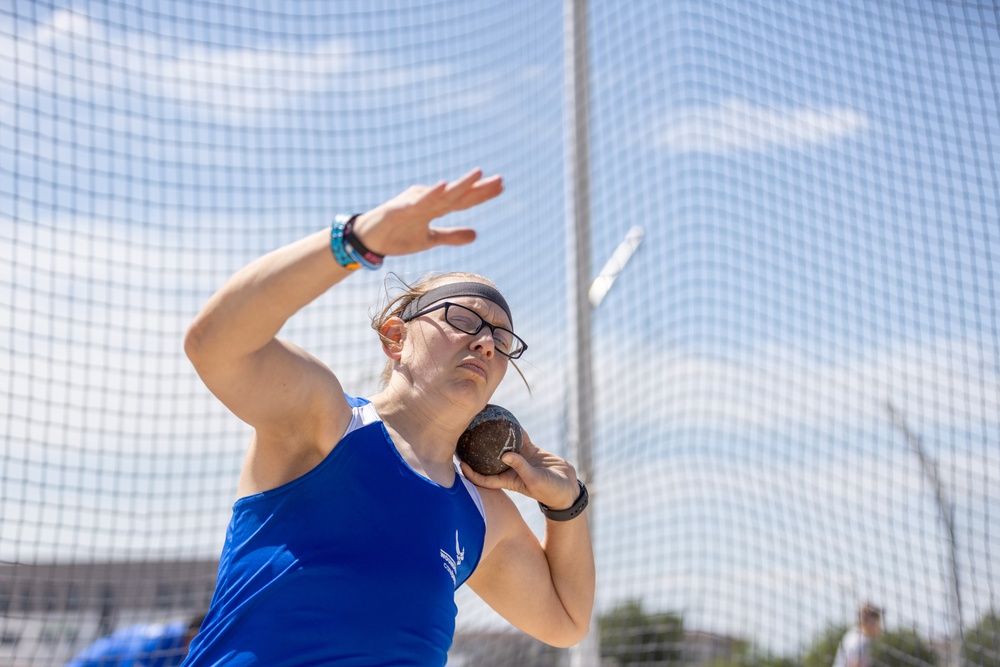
x: 544, y: 588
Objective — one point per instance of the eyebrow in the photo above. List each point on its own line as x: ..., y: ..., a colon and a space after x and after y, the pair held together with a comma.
x: 480, y: 300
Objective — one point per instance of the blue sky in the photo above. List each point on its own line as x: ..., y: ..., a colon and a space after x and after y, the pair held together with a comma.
x: 817, y: 182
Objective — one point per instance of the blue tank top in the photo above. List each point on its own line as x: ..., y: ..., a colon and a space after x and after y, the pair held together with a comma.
x: 354, y: 563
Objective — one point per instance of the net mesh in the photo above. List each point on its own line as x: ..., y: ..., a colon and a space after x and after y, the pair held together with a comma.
x: 797, y: 375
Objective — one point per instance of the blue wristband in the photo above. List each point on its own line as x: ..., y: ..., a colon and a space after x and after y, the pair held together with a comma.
x: 340, y: 252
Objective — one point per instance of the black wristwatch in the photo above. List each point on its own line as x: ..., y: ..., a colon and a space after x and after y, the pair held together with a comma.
x: 570, y: 512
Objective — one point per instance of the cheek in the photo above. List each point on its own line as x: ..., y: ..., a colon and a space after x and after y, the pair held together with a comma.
x: 425, y: 347
x: 415, y: 347
x: 501, y: 370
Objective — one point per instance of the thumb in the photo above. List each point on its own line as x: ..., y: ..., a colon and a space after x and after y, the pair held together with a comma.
x: 518, y: 463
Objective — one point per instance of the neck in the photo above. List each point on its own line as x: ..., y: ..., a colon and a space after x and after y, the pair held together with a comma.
x: 423, y: 425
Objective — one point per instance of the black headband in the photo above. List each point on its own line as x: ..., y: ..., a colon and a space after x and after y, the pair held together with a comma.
x: 481, y: 290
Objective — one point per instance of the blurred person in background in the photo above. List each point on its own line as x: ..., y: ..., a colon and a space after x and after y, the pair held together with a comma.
x: 141, y: 645
x: 855, y: 647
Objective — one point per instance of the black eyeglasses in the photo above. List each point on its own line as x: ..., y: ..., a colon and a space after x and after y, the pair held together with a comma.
x: 468, y: 321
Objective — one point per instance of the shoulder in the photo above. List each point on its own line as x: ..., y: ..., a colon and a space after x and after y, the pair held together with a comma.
x: 356, y: 401
x: 362, y: 413
x: 853, y: 640
x: 119, y: 645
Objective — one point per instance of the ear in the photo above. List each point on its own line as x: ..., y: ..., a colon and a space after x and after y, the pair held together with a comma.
x: 393, y: 333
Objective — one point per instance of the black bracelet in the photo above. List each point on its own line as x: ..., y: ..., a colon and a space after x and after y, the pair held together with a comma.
x: 357, y: 250
x: 570, y: 512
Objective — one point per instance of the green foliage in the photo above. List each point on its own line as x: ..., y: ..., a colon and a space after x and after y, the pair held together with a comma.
x: 744, y: 656
x: 631, y: 636
x: 768, y: 660
x: 824, y: 648
x: 982, y: 643
x: 902, y: 648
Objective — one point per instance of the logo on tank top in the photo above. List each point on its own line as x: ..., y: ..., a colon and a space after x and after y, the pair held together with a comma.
x: 451, y: 563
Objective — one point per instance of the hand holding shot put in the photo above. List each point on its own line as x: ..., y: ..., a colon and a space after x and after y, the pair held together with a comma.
x: 353, y: 526
x: 496, y: 453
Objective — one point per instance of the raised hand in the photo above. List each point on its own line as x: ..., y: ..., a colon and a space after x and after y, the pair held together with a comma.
x: 401, y: 226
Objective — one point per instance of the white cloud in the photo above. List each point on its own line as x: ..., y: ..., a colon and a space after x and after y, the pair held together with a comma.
x: 736, y: 125
x: 65, y: 23
x: 944, y: 385
x: 75, y: 57
x: 250, y: 80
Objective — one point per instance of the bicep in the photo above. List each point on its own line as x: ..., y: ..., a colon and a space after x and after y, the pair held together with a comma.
x: 278, y: 388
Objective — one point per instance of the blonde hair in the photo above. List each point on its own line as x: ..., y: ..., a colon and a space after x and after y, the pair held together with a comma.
x: 395, y: 305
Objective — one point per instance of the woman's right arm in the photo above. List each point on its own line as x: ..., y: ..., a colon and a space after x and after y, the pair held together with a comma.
x: 266, y: 382
x: 292, y: 400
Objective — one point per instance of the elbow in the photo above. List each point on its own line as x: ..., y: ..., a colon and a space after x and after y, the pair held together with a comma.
x: 194, y: 342
x: 570, y: 636
x: 579, y: 635
x: 569, y: 641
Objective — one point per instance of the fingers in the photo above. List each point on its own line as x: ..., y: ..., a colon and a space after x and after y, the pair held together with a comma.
x: 481, y: 191
x: 485, y: 481
x: 528, y: 448
x: 518, y: 464
x: 509, y: 479
x: 464, y: 183
x: 523, y: 477
x: 541, y: 475
x: 402, y: 225
x: 451, y: 235
x: 468, y: 191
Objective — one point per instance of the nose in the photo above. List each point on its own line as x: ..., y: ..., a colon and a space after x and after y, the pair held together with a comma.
x: 483, y: 343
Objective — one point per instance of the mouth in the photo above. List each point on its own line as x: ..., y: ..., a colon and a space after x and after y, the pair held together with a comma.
x: 475, y: 367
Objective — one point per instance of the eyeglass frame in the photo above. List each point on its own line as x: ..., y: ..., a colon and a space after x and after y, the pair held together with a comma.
x: 482, y: 323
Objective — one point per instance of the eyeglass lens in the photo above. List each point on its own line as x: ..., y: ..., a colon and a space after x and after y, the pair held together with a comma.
x: 468, y: 321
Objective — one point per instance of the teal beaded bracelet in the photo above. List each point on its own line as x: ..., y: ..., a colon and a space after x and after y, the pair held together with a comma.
x: 337, y: 245
x: 347, y: 248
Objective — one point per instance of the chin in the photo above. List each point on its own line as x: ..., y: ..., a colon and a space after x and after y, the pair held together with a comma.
x: 474, y: 398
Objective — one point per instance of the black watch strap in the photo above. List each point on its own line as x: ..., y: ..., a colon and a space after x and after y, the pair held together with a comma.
x: 571, y: 512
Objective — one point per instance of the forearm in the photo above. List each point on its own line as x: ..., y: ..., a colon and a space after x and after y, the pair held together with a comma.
x: 570, y: 554
x: 253, y: 305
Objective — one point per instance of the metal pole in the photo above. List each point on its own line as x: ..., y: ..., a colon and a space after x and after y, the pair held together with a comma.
x: 946, y: 510
x: 578, y: 231
x: 577, y: 160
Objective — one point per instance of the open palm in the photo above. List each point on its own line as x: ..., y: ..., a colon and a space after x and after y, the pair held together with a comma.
x: 401, y: 226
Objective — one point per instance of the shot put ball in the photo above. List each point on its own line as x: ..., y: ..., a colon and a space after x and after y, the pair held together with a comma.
x: 491, y: 434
